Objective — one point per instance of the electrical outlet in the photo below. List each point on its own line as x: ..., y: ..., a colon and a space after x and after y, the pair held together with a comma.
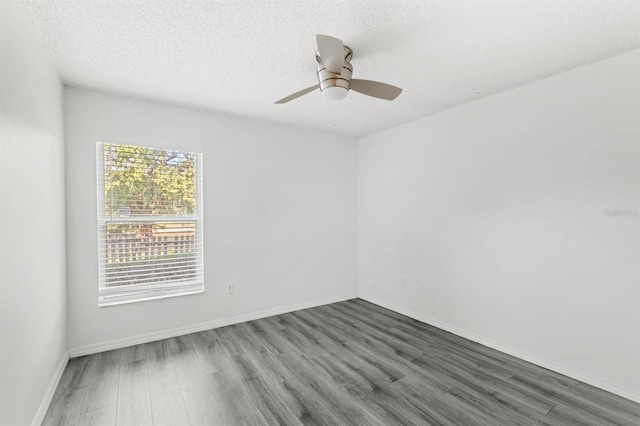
x: 404, y: 282
x: 229, y: 288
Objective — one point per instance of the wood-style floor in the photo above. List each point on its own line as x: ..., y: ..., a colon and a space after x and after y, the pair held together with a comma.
x: 349, y: 363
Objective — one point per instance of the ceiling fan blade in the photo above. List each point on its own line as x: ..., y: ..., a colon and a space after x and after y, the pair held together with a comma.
x: 297, y: 94
x: 331, y: 52
x: 375, y: 89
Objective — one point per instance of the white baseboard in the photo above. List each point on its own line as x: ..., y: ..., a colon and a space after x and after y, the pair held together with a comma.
x: 164, y: 334
x: 48, y: 396
x: 623, y: 391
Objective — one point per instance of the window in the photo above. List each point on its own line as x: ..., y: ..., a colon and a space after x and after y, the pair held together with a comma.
x: 149, y: 223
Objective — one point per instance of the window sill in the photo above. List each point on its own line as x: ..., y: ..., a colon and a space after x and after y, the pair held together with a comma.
x: 104, y: 302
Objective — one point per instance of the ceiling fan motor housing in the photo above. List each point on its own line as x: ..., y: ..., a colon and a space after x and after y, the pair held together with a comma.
x: 335, y: 81
x: 329, y: 79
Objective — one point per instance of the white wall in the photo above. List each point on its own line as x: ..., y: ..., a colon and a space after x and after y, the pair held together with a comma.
x: 279, y: 210
x: 32, y: 237
x: 494, y: 212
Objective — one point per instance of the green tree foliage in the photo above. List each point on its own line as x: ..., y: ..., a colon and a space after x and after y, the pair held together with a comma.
x: 149, y: 181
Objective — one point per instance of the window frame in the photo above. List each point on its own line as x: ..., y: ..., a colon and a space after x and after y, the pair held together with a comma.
x: 132, y: 293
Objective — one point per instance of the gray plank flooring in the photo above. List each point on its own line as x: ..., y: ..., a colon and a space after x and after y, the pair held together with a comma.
x: 349, y: 363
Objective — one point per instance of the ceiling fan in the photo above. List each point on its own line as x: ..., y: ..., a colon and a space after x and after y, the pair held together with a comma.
x: 334, y: 75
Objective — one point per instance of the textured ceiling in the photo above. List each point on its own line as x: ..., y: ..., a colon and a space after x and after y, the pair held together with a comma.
x: 239, y: 56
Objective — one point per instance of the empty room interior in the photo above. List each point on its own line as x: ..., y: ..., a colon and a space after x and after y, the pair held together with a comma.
x: 415, y: 212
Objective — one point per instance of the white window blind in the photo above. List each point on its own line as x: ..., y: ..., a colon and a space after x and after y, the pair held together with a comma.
x: 149, y: 223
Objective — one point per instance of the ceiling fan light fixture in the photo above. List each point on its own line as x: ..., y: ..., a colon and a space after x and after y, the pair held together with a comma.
x: 332, y: 85
x: 335, y: 93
